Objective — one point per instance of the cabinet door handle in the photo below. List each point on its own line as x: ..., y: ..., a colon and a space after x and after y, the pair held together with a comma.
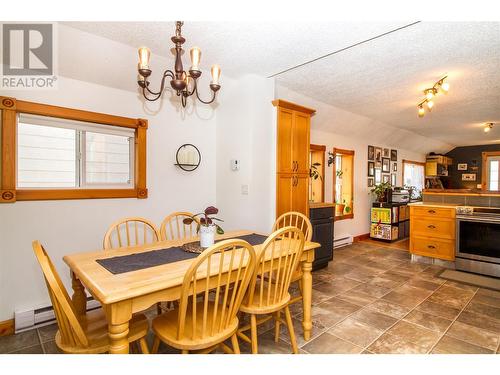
x: 296, y: 166
x: 431, y: 211
x: 431, y: 226
x: 431, y: 246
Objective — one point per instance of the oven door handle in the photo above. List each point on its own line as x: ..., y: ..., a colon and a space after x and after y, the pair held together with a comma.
x: 479, y: 219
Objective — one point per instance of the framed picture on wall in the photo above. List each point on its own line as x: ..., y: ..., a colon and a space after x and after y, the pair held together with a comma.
x: 386, y: 165
x: 378, y: 154
x: 394, y: 155
x: 386, y: 153
x: 462, y: 166
x: 371, y: 182
x: 468, y: 177
x: 371, y: 169
x: 386, y: 177
x: 393, y: 179
x: 378, y: 175
x: 394, y: 167
x: 371, y: 153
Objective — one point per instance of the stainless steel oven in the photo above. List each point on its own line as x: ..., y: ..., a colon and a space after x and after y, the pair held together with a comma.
x: 478, y: 240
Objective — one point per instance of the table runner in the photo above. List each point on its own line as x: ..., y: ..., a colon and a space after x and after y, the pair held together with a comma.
x: 139, y: 261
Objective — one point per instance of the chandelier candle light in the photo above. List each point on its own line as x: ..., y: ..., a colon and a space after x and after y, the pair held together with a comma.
x: 430, y: 94
x: 184, y: 83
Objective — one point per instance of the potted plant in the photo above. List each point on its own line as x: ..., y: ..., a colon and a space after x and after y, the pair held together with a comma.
x: 380, y: 190
x: 339, y: 208
x: 347, y: 208
x: 206, y: 227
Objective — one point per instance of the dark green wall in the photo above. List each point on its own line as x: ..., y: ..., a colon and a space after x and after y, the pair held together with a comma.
x: 470, y: 155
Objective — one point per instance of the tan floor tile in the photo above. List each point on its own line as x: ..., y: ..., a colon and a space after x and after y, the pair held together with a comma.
x: 384, y: 283
x: 432, y: 322
x: 389, y: 344
x: 388, y: 308
x: 403, y: 299
x: 455, y: 284
x: 48, y: 333
x: 423, y: 284
x: 474, y: 335
x: 360, y: 274
x: 419, y: 293
x: 450, y: 345
x: 266, y: 345
x: 452, y: 297
x: 20, y: 341
x: 371, y: 290
x: 336, y: 286
x: 488, y: 292
x: 50, y: 347
x: 374, y: 318
x: 487, y: 300
x: 318, y: 297
x: 299, y: 332
x: 358, y: 298
x: 482, y: 309
x: 356, y: 332
x: 36, y: 349
x: 438, y: 309
x: 479, y: 321
x: 330, y: 344
x: 391, y: 275
x: 415, y: 334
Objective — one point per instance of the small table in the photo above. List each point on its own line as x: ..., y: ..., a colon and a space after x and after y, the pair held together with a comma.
x: 124, y: 294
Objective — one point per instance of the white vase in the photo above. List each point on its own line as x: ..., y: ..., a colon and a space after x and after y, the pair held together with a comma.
x: 207, y: 234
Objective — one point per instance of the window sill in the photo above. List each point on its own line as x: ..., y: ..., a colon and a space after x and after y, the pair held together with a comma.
x: 344, y: 217
x: 57, y: 194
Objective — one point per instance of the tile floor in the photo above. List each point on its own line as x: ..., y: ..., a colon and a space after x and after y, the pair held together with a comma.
x: 370, y: 299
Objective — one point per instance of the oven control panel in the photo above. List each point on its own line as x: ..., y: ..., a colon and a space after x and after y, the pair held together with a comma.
x: 465, y: 210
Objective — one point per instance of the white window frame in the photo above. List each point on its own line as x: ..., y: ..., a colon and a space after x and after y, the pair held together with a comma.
x: 80, y: 129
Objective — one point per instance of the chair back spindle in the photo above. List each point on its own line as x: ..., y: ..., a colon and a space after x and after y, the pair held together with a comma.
x: 295, y: 219
x: 213, y: 289
x: 173, y: 227
x: 70, y: 329
x: 130, y: 231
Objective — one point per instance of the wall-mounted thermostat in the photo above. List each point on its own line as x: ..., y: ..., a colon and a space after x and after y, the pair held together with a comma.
x: 235, y: 165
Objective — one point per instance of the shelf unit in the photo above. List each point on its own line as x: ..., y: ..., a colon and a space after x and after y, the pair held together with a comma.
x: 389, y: 221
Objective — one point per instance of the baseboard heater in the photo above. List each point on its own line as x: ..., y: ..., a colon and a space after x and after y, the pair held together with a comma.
x: 30, y: 319
x: 342, y: 240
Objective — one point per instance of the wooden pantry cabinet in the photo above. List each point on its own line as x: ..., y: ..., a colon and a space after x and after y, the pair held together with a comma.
x: 292, y: 157
x: 432, y: 231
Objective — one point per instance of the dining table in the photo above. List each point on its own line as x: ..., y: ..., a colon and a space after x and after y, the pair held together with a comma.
x: 128, y: 290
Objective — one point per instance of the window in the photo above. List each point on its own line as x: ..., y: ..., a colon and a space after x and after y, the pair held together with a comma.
x: 413, y: 175
x: 343, y: 183
x: 58, y: 153
x: 317, y: 173
x: 51, y: 152
x: 491, y: 171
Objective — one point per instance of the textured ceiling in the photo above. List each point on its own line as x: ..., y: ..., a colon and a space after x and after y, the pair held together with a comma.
x: 381, y: 79
x: 384, y: 78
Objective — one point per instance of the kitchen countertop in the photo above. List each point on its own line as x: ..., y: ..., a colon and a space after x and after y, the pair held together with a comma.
x: 463, y: 192
x: 321, y: 205
x: 435, y: 204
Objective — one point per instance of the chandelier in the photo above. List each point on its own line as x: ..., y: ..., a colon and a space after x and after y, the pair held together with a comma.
x: 430, y: 93
x: 185, y: 83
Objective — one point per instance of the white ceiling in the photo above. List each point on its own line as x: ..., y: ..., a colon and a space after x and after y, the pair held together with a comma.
x: 382, y: 79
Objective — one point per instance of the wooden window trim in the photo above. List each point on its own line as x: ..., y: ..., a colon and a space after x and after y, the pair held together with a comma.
x: 11, y: 107
x: 484, y: 162
x: 350, y: 153
x: 421, y: 163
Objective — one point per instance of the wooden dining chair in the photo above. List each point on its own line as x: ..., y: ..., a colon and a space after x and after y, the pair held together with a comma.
x: 173, y: 228
x: 301, y: 221
x: 130, y: 231
x: 82, y: 334
x: 268, y: 291
x: 211, y: 294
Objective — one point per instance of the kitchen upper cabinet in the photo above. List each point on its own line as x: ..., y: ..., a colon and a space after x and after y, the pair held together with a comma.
x: 292, y: 160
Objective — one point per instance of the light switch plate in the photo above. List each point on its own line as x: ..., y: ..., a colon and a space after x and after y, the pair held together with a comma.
x: 244, y: 189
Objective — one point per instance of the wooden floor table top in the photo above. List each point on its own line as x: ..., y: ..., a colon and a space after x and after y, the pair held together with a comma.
x: 109, y: 288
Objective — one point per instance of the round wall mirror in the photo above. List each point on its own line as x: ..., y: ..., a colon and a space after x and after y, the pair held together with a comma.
x: 188, y: 157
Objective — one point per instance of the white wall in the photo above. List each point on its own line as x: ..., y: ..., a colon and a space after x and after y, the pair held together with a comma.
x: 65, y: 227
x: 245, y: 132
x: 334, y: 127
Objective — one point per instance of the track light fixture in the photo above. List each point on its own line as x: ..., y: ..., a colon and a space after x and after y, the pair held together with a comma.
x: 488, y: 127
x: 431, y: 93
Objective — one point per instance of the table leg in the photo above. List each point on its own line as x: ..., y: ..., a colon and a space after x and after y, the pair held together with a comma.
x: 118, y: 315
x: 306, y: 298
x: 79, y: 297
